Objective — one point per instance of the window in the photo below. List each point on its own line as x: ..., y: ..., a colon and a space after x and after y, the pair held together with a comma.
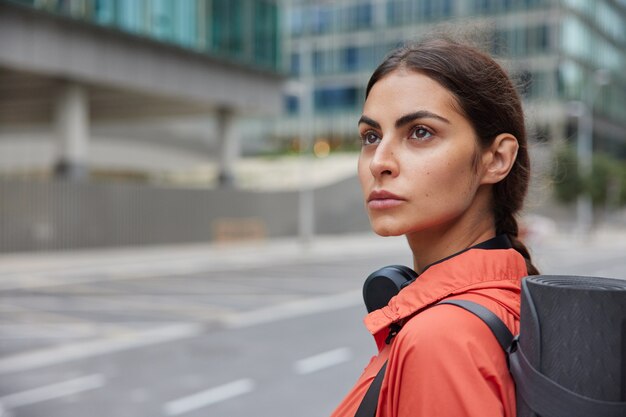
x: 265, y: 19
x: 363, y: 16
x: 395, y: 11
x: 294, y: 64
x: 371, y: 56
x: 544, y: 38
x: 321, y: 19
x: 130, y: 16
x: 160, y: 16
x: 104, y: 11
x: 446, y: 8
x: 335, y: 98
x: 483, y: 7
x: 426, y: 10
x: 296, y: 22
x: 350, y: 61
x: 184, y: 27
x: 292, y: 104
x: 318, y: 62
x: 227, y: 24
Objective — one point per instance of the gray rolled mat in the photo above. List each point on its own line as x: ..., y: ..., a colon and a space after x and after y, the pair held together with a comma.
x: 573, y: 330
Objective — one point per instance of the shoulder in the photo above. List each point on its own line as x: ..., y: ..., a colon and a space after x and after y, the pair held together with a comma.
x: 446, y: 361
x: 445, y: 331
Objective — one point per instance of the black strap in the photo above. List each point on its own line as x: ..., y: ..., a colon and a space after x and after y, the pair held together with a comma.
x: 499, y: 329
x: 368, y: 405
x: 370, y: 400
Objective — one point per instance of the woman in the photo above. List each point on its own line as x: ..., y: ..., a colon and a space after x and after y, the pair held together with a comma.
x: 444, y: 162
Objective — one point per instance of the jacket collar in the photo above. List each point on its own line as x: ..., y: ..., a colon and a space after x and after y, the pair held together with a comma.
x: 478, y: 267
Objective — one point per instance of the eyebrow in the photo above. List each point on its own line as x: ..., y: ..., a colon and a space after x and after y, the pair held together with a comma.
x: 367, y: 120
x: 407, y: 118
x: 421, y: 114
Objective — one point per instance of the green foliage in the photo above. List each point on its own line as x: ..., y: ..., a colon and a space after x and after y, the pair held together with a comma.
x: 621, y: 184
x: 605, y: 171
x: 606, y: 184
x: 567, y: 182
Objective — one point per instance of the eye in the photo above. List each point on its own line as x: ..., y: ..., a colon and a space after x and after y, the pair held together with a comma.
x: 420, y: 133
x: 369, y: 138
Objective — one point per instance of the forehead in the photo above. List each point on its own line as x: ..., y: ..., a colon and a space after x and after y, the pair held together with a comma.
x: 403, y: 91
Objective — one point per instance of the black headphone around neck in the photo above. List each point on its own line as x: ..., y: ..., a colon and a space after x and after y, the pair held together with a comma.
x: 385, y: 283
x: 381, y: 285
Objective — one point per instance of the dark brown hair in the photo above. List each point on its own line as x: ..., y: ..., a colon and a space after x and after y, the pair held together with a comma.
x: 490, y: 102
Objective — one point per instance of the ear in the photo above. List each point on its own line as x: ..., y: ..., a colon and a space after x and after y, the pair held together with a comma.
x: 498, y: 159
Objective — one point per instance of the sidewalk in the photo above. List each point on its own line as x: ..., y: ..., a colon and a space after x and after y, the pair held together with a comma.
x: 188, y: 258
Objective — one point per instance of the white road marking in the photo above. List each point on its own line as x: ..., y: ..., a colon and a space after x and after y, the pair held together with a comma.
x: 65, y: 353
x: 322, y: 361
x: 293, y: 309
x: 52, y: 391
x: 46, y: 331
x: 208, y: 397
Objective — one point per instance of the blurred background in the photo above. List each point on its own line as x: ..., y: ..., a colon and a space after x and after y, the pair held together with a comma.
x: 181, y: 226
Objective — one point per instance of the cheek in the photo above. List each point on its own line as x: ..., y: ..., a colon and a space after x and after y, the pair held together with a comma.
x: 363, y: 171
x: 445, y: 182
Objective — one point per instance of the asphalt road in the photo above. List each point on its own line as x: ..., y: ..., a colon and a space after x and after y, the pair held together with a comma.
x: 264, y: 331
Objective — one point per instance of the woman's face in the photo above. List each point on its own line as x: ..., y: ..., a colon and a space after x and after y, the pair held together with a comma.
x: 416, y: 167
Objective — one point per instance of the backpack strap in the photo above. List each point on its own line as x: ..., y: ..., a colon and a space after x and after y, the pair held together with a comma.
x: 499, y: 329
x: 368, y: 405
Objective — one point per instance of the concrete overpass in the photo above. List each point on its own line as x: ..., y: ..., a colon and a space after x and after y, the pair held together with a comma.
x: 68, y: 74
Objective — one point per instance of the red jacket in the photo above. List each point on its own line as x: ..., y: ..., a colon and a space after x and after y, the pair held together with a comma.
x: 445, y: 362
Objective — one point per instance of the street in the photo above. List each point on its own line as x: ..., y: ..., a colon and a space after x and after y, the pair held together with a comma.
x: 266, y: 329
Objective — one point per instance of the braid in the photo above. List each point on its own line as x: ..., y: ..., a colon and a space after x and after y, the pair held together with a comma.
x: 507, y: 224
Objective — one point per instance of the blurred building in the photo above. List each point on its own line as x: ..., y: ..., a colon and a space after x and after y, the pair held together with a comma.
x: 560, y: 51
x: 68, y: 66
x: 71, y: 68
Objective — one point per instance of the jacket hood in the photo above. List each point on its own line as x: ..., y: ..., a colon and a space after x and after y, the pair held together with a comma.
x: 472, y: 269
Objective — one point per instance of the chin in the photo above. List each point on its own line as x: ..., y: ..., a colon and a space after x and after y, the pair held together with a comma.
x: 387, y: 230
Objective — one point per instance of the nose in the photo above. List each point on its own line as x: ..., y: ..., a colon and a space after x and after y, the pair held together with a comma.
x: 384, y: 162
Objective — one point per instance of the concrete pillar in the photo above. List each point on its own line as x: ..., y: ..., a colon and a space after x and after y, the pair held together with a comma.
x: 71, y: 119
x: 228, y: 140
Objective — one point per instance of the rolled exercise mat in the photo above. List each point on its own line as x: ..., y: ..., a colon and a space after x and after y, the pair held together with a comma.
x: 573, y: 333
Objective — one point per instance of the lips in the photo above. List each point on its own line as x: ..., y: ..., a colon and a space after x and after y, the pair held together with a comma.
x: 381, y: 200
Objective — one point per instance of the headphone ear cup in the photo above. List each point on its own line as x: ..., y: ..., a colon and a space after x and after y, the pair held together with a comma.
x: 408, y: 273
x: 381, y: 285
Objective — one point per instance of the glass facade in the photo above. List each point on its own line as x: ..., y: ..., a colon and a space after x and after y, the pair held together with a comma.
x: 551, y: 47
x: 330, y: 99
x: 342, y: 60
x: 522, y: 41
x: 245, y: 31
x: 309, y: 18
x: 403, y: 12
x: 491, y: 7
x: 593, y: 37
